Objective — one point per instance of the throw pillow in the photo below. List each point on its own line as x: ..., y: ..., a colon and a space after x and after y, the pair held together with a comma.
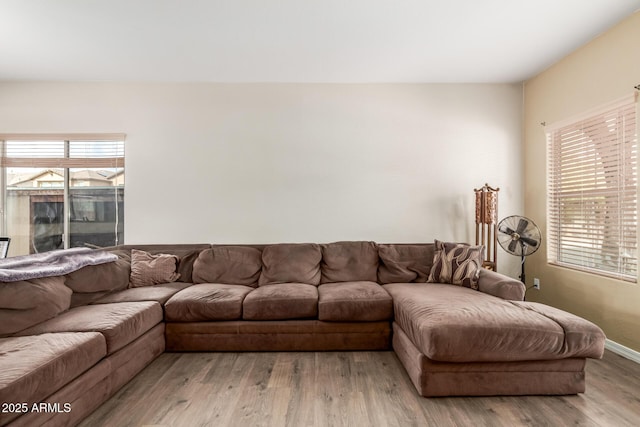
x: 147, y: 269
x: 456, y: 264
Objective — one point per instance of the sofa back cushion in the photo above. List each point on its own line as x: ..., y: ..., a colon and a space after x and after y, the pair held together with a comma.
x: 111, y: 276
x: 232, y: 265
x: 291, y: 263
x: 26, y: 303
x: 405, y: 263
x: 349, y: 262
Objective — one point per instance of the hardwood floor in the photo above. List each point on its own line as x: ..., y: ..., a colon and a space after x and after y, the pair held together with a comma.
x: 346, y: 389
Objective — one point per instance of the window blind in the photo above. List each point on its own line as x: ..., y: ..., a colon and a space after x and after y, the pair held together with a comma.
x: 63, y: 151
x: 592, y: 192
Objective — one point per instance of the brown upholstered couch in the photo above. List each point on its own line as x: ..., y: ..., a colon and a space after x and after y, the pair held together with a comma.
x: 100, y: 332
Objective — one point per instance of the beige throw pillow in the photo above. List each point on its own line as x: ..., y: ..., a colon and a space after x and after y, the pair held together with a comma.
x: 148, y: 270
x: 456, y: 264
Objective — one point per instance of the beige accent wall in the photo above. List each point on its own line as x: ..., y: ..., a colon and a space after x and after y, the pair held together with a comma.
x: 604, y: 70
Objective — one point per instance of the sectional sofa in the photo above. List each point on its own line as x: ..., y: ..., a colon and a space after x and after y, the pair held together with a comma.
x: 69, y: 342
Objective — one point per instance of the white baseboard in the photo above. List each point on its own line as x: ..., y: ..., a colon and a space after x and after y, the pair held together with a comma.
x: 621, y: 350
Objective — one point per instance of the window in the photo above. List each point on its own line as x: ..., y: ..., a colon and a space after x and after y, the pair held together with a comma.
x: 592, y: 192
x: 62, y: 191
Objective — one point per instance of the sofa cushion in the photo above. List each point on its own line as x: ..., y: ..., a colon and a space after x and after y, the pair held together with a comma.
x: 349, y: 262
x: 148, y: 269
x: 34, y: 367
x: 120, y: 323
x: 581, y: 337
x: 207, y: 301
x: 82, y: 298
x: 456, y: 324
x: 354, y: 302
x: 186, y: 259
x: 404, y: 263
x: 103, y: 277
x: 233, y: 265
x: 291, y: 263
x: 29, y: 302
x: 456, y: 264
x: 158, y: 293
x: 281, y: 301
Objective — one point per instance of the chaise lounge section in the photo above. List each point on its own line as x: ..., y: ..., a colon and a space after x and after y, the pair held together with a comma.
x: 104, y: 323
x: 455, y: 341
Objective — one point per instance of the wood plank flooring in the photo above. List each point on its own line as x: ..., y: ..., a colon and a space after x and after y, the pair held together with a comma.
x: 346, y: 389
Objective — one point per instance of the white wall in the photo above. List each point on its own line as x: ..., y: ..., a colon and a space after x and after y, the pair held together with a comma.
x: 258, y: 163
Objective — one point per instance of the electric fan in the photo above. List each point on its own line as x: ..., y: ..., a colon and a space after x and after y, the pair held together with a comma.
x: 519, y: 236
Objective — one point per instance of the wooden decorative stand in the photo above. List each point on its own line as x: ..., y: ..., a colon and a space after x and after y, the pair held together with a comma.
x: 487, y: 224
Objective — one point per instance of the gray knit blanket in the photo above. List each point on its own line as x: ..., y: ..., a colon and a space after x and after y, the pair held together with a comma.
x: 53, y: 263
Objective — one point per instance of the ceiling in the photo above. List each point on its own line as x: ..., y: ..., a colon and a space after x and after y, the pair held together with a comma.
x: 344, y: 41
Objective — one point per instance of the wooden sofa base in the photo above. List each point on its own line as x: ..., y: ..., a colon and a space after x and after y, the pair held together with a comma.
x: 280, y: 335
x: 431, y: 379
x: 94, y: 387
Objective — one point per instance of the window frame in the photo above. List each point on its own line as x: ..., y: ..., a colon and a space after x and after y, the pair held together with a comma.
x: 66, y: 162
x: 594, y: 129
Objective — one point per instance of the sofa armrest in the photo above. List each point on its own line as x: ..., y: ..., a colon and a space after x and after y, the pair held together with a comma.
x: 501, y: 286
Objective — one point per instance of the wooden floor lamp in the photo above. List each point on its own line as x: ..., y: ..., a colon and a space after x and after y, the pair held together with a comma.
x: 487, y: 224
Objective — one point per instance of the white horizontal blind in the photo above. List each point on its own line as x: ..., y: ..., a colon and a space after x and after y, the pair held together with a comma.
x: 63, y: 151
x: 592, y: 192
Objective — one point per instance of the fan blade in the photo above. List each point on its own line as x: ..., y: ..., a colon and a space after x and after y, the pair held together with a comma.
x: 529, y: 241
x: 522, y: 225
x: 506, y: 230
x: 513, y: 245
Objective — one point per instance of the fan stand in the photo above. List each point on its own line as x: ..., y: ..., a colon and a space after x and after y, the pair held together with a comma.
x: 522, y: 277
